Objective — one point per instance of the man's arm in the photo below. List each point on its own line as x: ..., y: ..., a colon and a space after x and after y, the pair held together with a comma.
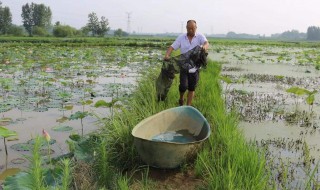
x: 205, y: 46
x: 169, y: 51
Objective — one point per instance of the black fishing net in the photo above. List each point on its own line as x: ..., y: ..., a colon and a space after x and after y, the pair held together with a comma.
x: 194, y: 58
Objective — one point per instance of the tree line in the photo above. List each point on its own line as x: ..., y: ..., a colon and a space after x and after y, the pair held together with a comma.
x: 37, y: 18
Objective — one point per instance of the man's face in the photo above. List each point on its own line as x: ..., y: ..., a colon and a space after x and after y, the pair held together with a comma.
x: 191, y: 29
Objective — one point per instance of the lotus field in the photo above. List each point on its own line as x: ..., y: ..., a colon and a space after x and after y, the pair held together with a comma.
x: 68, y: 107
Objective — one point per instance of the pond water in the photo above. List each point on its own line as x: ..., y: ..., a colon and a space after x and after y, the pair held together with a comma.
x: 46, y: 95
x: 281, y: 123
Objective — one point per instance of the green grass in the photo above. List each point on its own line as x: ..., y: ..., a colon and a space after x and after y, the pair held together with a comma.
x: 85, y: 41
x: 227, y: 161
x: 142, y: 41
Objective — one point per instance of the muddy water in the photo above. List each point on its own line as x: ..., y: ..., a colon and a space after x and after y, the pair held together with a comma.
x: 29, y: 124
x: 266, y: 108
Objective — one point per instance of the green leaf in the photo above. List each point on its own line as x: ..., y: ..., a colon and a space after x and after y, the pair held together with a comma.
x: 62, y: 119
x: 64, y: 95
x: 83, y: 150
x: 226, y: 79
x: 6, y: 119
x: 62, y: 128
x: 52, y: 177
x: 298, y: 91
x: 86, y: 102
x: 4, y: 132
x: 8, y: 172
x: 310, y: 99
x: 78, y: 115
x: 280, y: 77
x: 241, y: 80
x: 21, y: 147
x: 102, y: 103
x: 18, y: 181
x: 68, y: 107
x: 43, y: 141
x: 75, y: 137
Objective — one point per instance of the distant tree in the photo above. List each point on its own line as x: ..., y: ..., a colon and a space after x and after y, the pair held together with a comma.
x: 97, y: 27
x: 231, y: 35
x: 5, y: 19
x: 64, y: 31
x: 93, y: 23
x: 85, y: 30
x: 103, y: 27
x: 39, y: 31
x: 57, y: 23
x: 27, y: 20
x: 313, y: 33
x: 16, y: 30
x: 35, y: 15
x: 242, y: 35
x: 42, y: 15
x: 119, y: 33
x: 292, y: 35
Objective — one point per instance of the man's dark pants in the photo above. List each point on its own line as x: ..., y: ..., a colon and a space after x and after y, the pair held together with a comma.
x: 188, y: 81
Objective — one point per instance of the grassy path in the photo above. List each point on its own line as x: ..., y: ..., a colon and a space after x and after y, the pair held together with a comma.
x: 226, y: 161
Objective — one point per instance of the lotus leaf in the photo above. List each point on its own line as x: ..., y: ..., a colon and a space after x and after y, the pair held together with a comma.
x: 4, y: 132
x: 18, y: 161
x: 21, y: 147
x: 62, y: 119
x: 45, y: 151
x: 102, y: 103
x: 62, y: 128
x: 298, y: 91
x: 51, y: 142
x: 8, y: 172
x: 75, y: 137
x: 22, y: 180
x: 79, y: 115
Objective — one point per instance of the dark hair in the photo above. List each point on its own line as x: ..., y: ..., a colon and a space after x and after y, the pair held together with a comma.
x: 191, y: 21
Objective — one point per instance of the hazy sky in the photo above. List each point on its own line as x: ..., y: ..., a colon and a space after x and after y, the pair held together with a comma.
x: 158, y: 16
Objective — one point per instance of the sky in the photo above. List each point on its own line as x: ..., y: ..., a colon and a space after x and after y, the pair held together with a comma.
x: 264, y: 17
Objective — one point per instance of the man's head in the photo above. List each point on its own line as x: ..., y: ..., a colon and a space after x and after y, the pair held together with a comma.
x: 191, y: 27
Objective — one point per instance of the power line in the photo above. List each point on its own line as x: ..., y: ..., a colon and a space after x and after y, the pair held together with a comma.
x: 128, y: 22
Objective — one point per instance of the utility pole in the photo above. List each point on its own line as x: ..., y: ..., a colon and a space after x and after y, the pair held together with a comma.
x: 181, y: 26
x: 128, y: 22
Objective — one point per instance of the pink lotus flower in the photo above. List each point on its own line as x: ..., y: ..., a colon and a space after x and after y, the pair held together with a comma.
x: 46, y: 135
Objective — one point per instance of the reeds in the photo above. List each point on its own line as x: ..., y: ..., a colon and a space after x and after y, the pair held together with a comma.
x: 66, y: 177
x: 104, y: 173
x: 36, y: 170
x: 227, y: 161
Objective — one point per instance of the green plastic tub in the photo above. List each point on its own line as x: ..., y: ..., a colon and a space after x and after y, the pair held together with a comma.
x: 168, y: 138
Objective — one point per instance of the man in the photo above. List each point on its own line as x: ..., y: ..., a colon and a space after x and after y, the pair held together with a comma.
x: 188, y: 78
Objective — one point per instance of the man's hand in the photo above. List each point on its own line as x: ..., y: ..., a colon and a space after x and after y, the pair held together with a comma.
x: 166, y: 58
x: 168, y: 53
x: 205, y: 49
x: 205, y: 46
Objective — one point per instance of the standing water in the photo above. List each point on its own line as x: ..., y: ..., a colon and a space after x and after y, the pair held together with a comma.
x: 181, y: 136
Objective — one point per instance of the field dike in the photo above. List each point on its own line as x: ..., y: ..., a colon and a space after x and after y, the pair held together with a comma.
x: 226, y: 160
